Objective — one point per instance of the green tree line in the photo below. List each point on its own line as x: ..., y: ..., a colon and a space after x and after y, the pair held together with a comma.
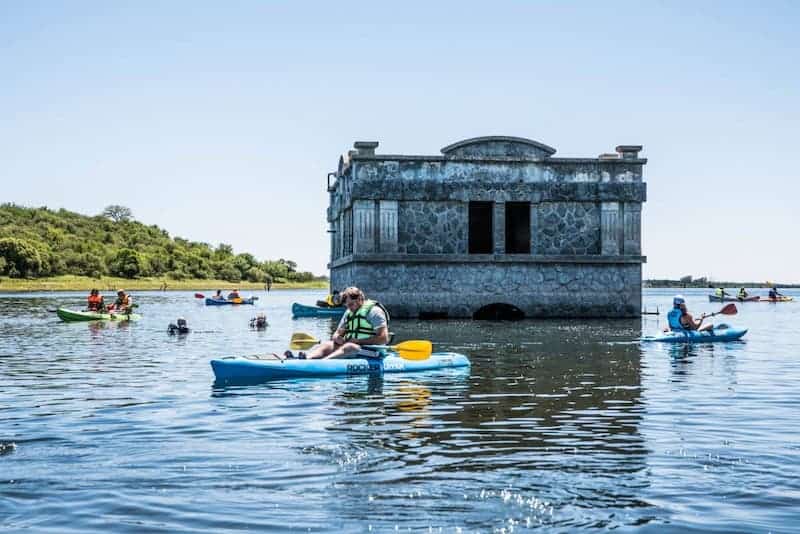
x: 39, y: 242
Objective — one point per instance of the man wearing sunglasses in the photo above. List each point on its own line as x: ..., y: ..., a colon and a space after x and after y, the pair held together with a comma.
x: 366, y: 322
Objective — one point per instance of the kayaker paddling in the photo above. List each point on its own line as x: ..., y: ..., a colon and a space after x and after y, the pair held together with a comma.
x: 334, y: 300
x: 95, y: 301
x: 365, y: 323
x: 679, y: 318
x: 721, y: 293
x: 123, y: 304
x: 774, y: 294
x: 742, y: 294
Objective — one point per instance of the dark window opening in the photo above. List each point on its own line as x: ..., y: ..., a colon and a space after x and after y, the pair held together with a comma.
x: 518, y: 227
x: 481, y: 227
x: 499, y: 312
x: 432, y: 315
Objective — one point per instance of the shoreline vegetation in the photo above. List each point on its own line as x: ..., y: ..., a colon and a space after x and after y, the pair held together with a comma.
x: 110, y: 283
x: 55, y: 250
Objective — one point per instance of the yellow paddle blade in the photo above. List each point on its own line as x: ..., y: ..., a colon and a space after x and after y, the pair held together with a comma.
x: 303, y: 336
x: 302, y: 341
x: 413, y: 349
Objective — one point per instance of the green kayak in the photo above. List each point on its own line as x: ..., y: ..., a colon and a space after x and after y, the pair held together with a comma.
x: 72, y: 316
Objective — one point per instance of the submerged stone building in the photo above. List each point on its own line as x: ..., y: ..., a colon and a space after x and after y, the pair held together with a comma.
x: 493, y: 227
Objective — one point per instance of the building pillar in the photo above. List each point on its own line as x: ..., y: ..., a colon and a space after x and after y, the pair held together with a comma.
x: 363, y: 226
x: 499, y: 221
x: 534, y: 228
x: 610, y: 229
x: 632, y: 241
x: 387, y: 238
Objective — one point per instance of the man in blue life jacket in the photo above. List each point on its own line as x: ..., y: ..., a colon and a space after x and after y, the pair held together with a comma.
x: 366, y: 322
x: 680, y: 319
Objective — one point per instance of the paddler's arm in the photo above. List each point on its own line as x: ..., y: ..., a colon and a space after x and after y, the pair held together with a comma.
x: 381, y: 338
x: 700, y: 321
x: 338, y: 336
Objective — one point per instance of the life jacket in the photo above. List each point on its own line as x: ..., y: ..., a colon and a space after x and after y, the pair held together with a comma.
x: 742, y: 293
x: 122, y: 301
x: 356, y: 324
x: 329, y: 301
x: 674, y: 320
x: 94, y: 302
x: 720, y: 292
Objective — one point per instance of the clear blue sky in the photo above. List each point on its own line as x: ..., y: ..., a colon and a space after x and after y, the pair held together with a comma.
x: 175, y: 108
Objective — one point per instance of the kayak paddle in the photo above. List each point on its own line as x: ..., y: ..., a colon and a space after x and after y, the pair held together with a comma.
x: 728, y: 309
x: 199, y: 296
x: 413, y: 349
x: 302, y: 341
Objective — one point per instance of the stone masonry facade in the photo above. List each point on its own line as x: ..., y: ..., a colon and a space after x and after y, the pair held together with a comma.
x: 406, y: 229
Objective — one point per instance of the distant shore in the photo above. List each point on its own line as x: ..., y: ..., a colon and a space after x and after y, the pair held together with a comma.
x: 108, y: 283
x: 662, y: 284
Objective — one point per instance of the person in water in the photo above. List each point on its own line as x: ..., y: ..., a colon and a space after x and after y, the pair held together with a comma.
x: 181, y: 328
x: 679, y: 318
x: 123, y: 304
x: 259, y: 322
x: 366, y: 322
x: 95, y: 301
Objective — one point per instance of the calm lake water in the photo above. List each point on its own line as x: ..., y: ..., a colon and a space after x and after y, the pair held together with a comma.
x: 559, y: 425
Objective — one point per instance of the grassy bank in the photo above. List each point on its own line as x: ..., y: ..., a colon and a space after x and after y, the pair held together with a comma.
x: 108, y: 283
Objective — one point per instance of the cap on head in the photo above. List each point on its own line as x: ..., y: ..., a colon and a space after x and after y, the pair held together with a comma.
x: 120, y: 291
x: 678, y: 300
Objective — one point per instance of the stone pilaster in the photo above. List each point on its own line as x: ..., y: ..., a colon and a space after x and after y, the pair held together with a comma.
x: 363, y: 226
x: 632, y: 241
x: 610, y: 229
x: 534, y: 228
x: 387, y: 214
x: 499, y: 222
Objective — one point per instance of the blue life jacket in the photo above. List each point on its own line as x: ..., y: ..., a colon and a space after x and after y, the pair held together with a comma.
x: 674, y: 320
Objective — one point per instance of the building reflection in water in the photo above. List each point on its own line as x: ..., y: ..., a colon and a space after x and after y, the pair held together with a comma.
x: 541, y: 397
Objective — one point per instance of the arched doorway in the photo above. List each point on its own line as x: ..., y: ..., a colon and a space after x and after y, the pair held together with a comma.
x: 498, y: 311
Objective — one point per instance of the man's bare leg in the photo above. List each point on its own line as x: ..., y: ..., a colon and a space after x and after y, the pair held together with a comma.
x: 321, y: 350
x: 344, y: 350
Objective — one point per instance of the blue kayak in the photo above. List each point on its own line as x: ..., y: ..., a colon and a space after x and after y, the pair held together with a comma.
x: 300, y: 310
x: 718, y: 334
x: 253, y: 369
x: 232, y: 302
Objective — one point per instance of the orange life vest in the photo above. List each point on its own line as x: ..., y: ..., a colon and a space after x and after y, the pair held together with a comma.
x: 94, y: 302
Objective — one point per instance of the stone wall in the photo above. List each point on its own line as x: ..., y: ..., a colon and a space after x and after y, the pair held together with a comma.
x: 460, y: 289
x: 568, y: 228
x: 432, y: 227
